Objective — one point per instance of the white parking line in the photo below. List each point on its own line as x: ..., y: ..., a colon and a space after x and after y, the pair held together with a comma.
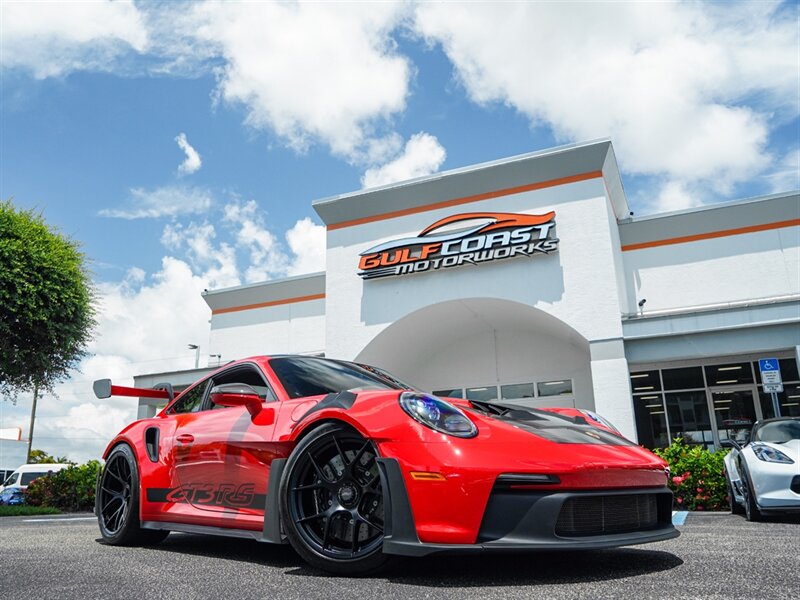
x: 59, y: 519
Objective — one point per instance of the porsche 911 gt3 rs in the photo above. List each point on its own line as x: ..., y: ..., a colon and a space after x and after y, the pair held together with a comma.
x: 763, y: 475
x: 351, y: 467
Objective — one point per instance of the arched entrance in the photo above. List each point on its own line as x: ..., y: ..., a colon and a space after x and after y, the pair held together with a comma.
x: 485, y: 345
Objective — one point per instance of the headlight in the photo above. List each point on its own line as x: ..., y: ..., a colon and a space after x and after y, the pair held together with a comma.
x: 770, y: 454
x: 437, y: 414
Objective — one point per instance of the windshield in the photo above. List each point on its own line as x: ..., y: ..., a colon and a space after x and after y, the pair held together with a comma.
x: 778, y: 432
x: 305, y: 376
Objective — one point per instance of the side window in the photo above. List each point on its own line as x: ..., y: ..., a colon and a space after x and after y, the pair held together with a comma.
x: 248, y: 376
x: 190, y: 401
x: 28, y: 477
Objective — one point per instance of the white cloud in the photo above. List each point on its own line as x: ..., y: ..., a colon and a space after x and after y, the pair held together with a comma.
x: 192, y: 162
x: 251, y: 251
x: 146, y: 321
x: 167, y: 201
x: 139, y: 331
x: 307, y: 243
x: 266, y: 258
x: 216, y: 265
x: 786, y: 175
x: 676, y: 195
x: 310, y: 72
x: 54, y: 38
x: 687, y: 91
x: 422, y: 155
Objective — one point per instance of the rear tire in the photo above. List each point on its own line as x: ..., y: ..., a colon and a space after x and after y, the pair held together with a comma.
x: 331, y: 502
x: 117, y: 505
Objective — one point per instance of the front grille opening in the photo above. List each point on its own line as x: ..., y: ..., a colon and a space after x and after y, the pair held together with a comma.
x: 795, y: 487
x: 598, y: 515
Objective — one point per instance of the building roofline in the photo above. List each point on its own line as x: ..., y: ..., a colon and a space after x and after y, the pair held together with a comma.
x: 525, y: 172
x: 274, y: 292
x: 722, y: 204
x: 269, y: 282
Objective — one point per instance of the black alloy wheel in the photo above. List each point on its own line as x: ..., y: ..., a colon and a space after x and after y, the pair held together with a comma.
x: 115, y: 494
x: 332, y: 503
x: 117, y: 502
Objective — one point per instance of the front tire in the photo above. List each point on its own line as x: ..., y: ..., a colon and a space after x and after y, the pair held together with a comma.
x: 736, y: 508
x: 117, y: 505
x: 751, y: 511
x: 331, y: 502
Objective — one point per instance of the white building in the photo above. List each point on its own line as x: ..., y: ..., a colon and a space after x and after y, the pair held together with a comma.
x: 654, y: 322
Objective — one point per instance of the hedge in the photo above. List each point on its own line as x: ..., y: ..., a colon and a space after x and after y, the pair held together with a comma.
x: 71, y: 489
x: 697, y: 476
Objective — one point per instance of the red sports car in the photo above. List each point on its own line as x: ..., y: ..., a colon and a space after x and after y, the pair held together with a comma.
x: 351, y: 466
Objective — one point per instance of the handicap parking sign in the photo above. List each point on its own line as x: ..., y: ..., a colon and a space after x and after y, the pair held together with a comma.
x: 770, y: 375
x: 768, y: 364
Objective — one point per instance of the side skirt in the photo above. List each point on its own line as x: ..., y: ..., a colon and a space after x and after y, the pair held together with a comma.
x: 203, y: 529
x: 272, y: 532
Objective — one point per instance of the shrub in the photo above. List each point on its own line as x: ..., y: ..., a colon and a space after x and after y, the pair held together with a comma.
x: 71, y: 489
x: 697, y: 476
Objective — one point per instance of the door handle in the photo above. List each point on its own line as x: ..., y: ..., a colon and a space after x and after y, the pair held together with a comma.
x: 185, y: 438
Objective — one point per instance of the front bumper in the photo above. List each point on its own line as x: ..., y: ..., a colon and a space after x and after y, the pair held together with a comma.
x: 524, y: 520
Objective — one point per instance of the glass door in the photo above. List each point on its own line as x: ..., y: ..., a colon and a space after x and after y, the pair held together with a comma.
x: 734, y: 412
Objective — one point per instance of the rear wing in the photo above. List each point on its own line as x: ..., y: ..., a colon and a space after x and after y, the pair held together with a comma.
x: 103, y: 388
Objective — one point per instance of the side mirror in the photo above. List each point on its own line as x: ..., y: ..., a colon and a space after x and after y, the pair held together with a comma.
x: 237, y: 394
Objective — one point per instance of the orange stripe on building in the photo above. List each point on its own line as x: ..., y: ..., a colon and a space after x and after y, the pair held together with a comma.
x: 711, y: 235
x: 231, y: 309
x: 467, y: 199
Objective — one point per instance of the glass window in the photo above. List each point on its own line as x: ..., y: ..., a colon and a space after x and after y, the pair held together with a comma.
x: 28, y: 477
x: 789, y: 400
x: 788, y: 368
x: 735, y: 414
x: 651, y: 421
x: 486, y: 393
x: 516, y: 390
x: 689, y: 418
x: 555, y: 388
x: 684, y: 378
x: 12, y: 480
x: 731, y: 374
x: 191, y: 400
x: 450, y: 393
x: 645, y: 381
x: 306, y: 376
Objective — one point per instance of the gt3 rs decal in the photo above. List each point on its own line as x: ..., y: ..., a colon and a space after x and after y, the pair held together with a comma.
x: 227, y: 495
x: 468, y: 238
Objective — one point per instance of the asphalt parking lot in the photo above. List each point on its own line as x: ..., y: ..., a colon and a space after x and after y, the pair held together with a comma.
x: 717, y: 556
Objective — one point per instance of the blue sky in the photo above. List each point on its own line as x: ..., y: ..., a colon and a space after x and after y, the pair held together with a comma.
x: 287, y: 103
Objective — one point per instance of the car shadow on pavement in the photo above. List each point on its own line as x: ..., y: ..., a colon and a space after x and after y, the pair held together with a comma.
x: 449, y: 571
x: 242, y: 550
x: 533, y: 568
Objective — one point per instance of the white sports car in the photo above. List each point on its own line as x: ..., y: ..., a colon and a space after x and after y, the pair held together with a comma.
x: 764, y: 474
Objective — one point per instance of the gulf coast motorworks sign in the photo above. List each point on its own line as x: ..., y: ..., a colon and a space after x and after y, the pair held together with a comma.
x: 462, y: 239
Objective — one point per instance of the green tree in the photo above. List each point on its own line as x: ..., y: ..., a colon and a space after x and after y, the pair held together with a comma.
x: 41, y: 457
x: 46, y: 303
